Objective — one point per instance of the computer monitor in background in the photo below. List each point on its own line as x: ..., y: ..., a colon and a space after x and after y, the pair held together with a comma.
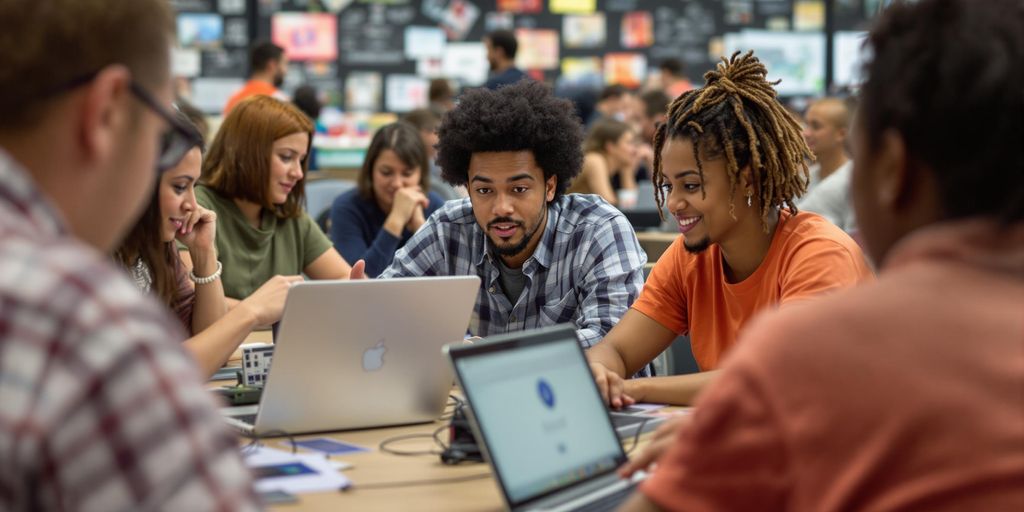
x: 796, y: 58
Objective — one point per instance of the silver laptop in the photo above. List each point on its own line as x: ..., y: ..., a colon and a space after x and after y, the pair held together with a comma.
x: 540, y: 421
x: 359, y: 354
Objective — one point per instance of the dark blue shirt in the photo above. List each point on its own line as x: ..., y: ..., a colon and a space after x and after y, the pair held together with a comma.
x: 357, y: 230
x: 507, y: 77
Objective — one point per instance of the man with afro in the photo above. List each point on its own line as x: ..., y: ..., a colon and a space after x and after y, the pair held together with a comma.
x: 543, y: 257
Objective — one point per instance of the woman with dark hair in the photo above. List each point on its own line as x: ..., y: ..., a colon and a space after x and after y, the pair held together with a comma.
x: 609, y: 150
x: 391, y: 202
x: 196, y: 296
x: 253, y: 178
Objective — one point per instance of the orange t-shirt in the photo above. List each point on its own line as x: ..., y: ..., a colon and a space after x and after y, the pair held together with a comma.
x: 252, y: 88
x: 808, y: 255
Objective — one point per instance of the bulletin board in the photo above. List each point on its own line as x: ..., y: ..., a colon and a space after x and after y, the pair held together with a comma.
x: 391, y: 48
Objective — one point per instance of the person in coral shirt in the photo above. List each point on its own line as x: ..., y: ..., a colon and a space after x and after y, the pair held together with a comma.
x: 268, y: 64
x: 744, y: 247
x: 904, y: 394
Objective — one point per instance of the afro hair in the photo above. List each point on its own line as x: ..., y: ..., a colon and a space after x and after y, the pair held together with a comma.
x: 517, y: 117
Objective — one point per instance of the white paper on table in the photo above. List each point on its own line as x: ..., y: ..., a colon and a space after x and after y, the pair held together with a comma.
x: 325, y: 478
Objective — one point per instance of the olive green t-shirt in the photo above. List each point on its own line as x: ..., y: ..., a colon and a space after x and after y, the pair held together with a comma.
x: 251, y: 256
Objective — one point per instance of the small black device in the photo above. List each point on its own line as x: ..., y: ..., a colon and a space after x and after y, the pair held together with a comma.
x: 240, y: 395
x: 462, y: 445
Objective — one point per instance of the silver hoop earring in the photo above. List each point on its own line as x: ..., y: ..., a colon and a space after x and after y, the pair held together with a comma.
x: 749, y: 200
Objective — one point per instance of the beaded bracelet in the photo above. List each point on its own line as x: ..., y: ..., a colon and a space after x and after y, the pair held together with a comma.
x: 206, y: 280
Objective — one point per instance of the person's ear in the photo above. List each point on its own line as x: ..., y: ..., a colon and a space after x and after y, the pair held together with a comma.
x: 104, y: 110
x: 549, y: 188
x: 892, y: 172
x: 747, y: 181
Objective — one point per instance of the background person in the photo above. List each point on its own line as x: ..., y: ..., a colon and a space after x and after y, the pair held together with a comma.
x: 393, y: 199
x: 253, y: 178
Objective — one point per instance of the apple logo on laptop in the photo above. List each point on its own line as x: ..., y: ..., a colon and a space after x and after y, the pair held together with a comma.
x: 373, y: 357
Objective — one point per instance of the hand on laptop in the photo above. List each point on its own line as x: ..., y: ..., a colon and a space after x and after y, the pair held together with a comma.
x: 267, y: 302
x: 661, y: 440
x: 612, y: 387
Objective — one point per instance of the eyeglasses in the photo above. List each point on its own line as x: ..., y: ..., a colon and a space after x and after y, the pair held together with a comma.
x: 175, y: 141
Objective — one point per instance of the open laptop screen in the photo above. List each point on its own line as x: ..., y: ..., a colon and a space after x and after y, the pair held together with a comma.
x: 538, y: 409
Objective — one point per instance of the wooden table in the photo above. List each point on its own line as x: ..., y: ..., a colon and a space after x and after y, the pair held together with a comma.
x: 376, y: 468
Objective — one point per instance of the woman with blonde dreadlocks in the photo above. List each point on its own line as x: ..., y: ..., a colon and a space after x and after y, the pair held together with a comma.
x: 729, y: 164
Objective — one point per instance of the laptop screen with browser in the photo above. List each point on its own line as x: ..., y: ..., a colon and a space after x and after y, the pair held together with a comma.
x: 538, y: 409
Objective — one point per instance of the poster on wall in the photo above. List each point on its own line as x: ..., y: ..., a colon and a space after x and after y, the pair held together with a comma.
x: 335, y: 6
x: 809, y: 15
x: 498, y: 21
x: 185, y: 62
x: 465, y: 62
x: 424, y: 42
x: 362, y: 92
x: 625, y: 68
x: 405, y: 92
x: 584, y: 31
x: 538, y: 49
x: 520, y: 6
x: 459, y: 18
x: 582, y: 71
x: 796, y: 58
x: 430, y: 68
x: 637, y: 29
x: 368, y: 38
x: 231, y: 7
x: 200, y: 30
x: 225, y: 63
x: 306, y: 36
x: 739, y: 12
x: 572, y: 6
x: 236, y: 32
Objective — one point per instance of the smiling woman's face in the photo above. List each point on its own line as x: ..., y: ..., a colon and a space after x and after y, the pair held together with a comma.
x: 177, y: 193
x: 286, y: 165
x: 702, y: 210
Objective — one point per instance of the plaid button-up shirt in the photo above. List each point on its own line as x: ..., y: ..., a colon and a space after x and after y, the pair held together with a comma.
x: 100, y: 406
x: 587, y: 268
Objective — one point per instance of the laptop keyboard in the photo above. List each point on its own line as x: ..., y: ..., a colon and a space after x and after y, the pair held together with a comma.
x: 609, y: 502
x: 625, y: 420
x: 249, y: 419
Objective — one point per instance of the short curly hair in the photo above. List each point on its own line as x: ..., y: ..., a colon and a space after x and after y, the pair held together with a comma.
x: 522, y: 116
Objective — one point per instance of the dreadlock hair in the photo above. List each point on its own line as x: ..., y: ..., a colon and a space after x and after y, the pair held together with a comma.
x: 736, y: 115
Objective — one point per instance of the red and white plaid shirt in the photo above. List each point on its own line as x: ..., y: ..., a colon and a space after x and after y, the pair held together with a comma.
x: 100, y: 406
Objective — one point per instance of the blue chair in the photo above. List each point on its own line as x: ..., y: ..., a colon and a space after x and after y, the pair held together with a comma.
x: 320, y: 194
